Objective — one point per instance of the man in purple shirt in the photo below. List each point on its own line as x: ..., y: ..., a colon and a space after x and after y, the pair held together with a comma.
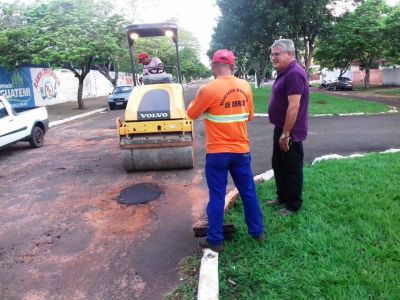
x: 287, y: 110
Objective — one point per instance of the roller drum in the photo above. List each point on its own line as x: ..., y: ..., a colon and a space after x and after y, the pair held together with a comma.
x: 168, y: 158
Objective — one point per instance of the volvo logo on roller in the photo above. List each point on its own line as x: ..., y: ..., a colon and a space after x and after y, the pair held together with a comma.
x: 153, y: 115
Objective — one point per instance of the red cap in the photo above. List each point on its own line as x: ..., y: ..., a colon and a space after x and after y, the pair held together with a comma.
x: 142, y: 56
x: 224, y: 56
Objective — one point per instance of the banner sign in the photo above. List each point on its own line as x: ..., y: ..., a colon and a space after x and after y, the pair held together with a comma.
x: 46, y: 85
x: 16, y: 86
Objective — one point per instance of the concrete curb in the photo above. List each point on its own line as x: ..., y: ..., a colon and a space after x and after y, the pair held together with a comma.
x: 208, y: 288
x: 208, y: 279
x: 393, y: 110
x: 337, y: 156
x: 58, y: 122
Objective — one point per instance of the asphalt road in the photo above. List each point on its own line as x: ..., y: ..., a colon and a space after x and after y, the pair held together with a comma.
x: 63, y: 235
x: 343, y: 135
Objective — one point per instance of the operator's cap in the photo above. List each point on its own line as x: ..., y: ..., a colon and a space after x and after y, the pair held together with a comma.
x: 224, y: 56
x: 142, y: 56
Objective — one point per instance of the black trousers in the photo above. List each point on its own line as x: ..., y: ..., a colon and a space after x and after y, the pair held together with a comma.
x: 288, y: 172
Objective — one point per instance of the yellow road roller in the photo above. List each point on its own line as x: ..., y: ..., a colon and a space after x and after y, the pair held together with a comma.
x: 156, y: 133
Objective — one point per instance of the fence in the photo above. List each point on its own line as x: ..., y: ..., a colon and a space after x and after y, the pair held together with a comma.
x: 386, y: 77
x: 391, y: 77
x: 29, y: 87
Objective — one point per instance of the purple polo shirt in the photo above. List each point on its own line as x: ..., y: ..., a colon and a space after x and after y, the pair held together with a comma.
x: 293, y: 81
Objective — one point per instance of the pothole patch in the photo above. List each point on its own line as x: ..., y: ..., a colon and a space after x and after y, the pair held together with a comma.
x: 139, y: 194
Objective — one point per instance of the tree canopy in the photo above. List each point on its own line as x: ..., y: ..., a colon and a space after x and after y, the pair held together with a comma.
x: 257, y: 24
x: 249, y: 27
x: 392, y: 36
x: 333, y: 51
x: 68, y: 34
x: 246, y: 27
x: 79, y: 36
x: 360, y: 36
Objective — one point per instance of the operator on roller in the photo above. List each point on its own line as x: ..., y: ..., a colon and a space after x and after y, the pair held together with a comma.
x: 227, y: 105
x: 151, y: 65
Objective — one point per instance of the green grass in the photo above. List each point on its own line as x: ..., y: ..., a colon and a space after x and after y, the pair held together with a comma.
x: 372, y: 88
x: 344, y: 244
x: 378, y: 89
x: 189, y: 270
x: 322, y: 104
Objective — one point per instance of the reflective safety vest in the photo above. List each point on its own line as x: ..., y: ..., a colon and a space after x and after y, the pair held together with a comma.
x: 227, y: 118
x: 226, y: 104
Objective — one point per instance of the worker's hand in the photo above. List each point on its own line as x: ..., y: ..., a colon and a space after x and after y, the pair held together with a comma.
x: 284, y: 143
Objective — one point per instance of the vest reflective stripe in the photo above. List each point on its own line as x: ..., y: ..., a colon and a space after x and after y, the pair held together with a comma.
x: 227, y: 118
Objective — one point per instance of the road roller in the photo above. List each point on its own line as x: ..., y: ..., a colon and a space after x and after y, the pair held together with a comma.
x: 156, y: 133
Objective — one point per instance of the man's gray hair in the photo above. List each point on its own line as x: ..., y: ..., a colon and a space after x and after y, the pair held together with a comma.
x: 285, y: 45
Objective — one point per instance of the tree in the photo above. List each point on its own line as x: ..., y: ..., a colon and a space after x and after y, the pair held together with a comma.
x: 252, y: 36
x: 391, y: 32
x: 258, y: 23
x: 333, y: 50
x: 366, y: 34
x: 191, y: 65
x: 11, y: 15
x: 304, y: 21
x: 13, y: 39
x: 107, y: 61
x: 71, y: 34
x: 66, y: 34
x: 359, y: 36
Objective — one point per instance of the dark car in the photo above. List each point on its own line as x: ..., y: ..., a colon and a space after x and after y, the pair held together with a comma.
x: 119, y: 96
x: 341, y: 83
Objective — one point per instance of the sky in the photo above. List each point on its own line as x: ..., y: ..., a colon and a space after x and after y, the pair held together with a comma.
x: 197, y: 16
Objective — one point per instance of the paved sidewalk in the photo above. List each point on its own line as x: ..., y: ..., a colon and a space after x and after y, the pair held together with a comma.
x: 69, y: 109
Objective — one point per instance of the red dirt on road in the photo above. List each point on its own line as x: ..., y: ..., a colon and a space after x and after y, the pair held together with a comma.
x: 63, y: 234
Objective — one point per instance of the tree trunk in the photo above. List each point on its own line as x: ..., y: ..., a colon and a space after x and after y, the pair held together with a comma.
x: 260, y: 69
x: 366, y: 78
x: 81, y: 104
x: 81, y: 77
x: 309, y: 59
x: 260, y: 77
x: 257, y: 78
x: 257, y: 74
x: 85, y: 69
x: 308, y: 54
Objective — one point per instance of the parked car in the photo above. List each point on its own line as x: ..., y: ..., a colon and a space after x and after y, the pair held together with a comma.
x: 119, y: 96
x: 341, y: 83
x: 29, y: 125
x: 324, y: 84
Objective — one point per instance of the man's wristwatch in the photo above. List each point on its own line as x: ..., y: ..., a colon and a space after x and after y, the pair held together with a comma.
x: 284, y: 136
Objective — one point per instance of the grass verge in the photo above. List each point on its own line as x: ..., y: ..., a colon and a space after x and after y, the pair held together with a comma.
x: 344, y: 244
x: 322, y: 104
x: 189, y: 272
x: 390, y: 92
x: 378, y: 89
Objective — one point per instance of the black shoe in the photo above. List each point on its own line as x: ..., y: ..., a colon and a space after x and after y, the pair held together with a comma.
x: 260, y: 238
x: 286, y: 212
x: 205, y: 244
x: 275, y: 202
